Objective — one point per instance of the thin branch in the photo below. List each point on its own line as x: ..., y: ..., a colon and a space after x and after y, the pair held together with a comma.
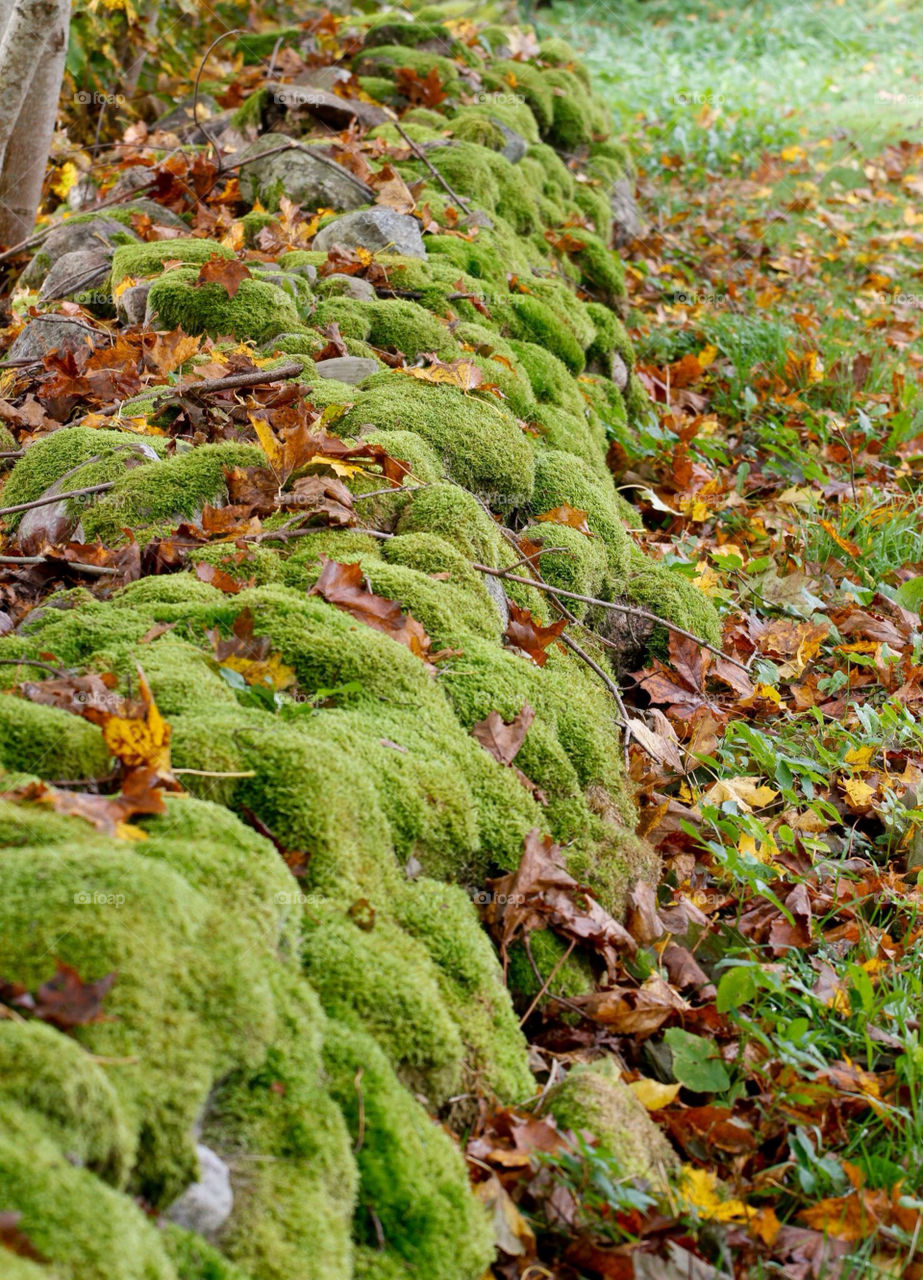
x: 57, y: 497
x: 200, y: 124
x: 631, y: 610
x: 94, y: 570
x: 35, y: 240
x: 547, y: 983
x: 421, y: 155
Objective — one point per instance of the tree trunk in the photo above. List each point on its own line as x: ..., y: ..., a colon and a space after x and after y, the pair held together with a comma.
x: 33, y: 44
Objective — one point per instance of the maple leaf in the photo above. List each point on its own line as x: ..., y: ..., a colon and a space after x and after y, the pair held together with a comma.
x: 459, y: 373
x: 419, y: 92
x: 532, y: 637
x: 501, y: 738
x: 392, y: 191
x: 65, y: 1000
x: 224, y: 271
x: 342, y: 585
x: 215, y: 577
x: 572, y: 517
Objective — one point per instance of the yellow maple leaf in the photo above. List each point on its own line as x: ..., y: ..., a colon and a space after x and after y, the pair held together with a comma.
x: 140, y: 742
x: 268, y: 671
x: 701, y: 1190
x: 460, y: 373
x: 652, y: 1094
x: 65, y: 178
x: 861, y: 757
x: 858, y: 793
x: 765, y: 851
x: 748, y: 792
x: 707, y: 356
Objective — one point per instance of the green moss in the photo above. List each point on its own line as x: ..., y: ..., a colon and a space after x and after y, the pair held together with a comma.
x: 528, y: 81
x: 141, y: 260
x: 48, y: 1074
x: 594, y: 1098
x: 193, y: 1258
x: 579, y: 117
x: 480, y: 443
x: 453, y: 514
x: 48, y: 742
x: 549, y: 377
x: 571, y: 975
x: 250, y: 115
x: 637, y: 401
x: 383, y: 982
x: 50, y: 458
x: 414, y: 1192
x: 442, y: 918
x: 666, y: 592
x: 601, y: 270
x: 83, y: 1227
x: 594, y: 202
x: 581, y: 565
x: 528, y: 319
x: 258, y: 46
x: 168, y: 490
x: 382, y: 59
x: 564, y: 480
x: 256, y: 311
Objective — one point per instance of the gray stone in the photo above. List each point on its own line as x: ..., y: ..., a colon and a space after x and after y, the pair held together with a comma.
x: 157, y: 213
x: 99, y: 234
x: 627, y: 222
x: 351, y: 369
x: 205, y: 1206
x: 323, y: 77
x: 131, y: 304
x: 306, y: 104
x: 309, y: 182
x: 75, y: 273
x: 494, y: 588
x: 48, y: 525
x: 50, y: 333
x: 516, y: 145
x: 619, y: 371
x: 350, y: 287
x: 374, y: 229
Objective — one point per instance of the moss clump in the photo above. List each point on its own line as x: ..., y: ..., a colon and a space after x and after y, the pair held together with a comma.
x: 393, y: 324
x: 453, y: 514
x: 594, y: 1098
x: 51, y: 1076
x: 50, y: 458
x: 48, y: 742
x: 530, y: 82
x: 387, y: 57
x: 194, y: 1259
x: 257, y: 310
x: 530, y: 320
x: 601, y: 269
x: 666, y: 592
x: 579, y: 117
x: 480, y: 443
x: 580, y: 565
x: 170, y: 490
x: 564, y: 480
x: 570, y: 975
x: 141, y: 260
x: 413, y: 1190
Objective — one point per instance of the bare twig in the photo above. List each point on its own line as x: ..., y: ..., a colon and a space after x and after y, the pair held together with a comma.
x: 631, y: 610
x: 35, y: 240
x: 195, y: 93
x: 57, y: 497
x: 94, y: 570
x: 421, y: 155
x: 547, y: 983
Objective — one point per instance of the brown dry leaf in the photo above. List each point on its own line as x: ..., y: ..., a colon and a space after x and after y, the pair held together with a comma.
x: 323, y: 498
x: 65, y: 1000
x: 419, y: 92
x: 532, y: 637
x: 224, y: 271
x: 570, y: 516
x: 216, y: 577
x: 629, y: 1011
x: 503, y: 739
x: 542, y: 894
x: 108, y: 814
x: 167, y: 351
x: 342, y: 585
x: 660, y: 742
x: 392, y: 190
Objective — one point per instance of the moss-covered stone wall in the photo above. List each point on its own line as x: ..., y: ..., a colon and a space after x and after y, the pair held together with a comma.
x: 311, y: 1031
